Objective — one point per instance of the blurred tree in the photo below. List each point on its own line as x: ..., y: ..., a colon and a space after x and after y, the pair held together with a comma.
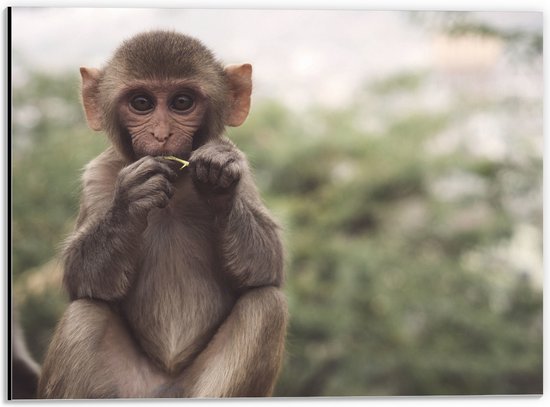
x: 522, y: 42
x: 50, y: 145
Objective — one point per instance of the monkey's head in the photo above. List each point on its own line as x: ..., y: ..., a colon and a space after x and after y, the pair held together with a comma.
x: 164, y: 93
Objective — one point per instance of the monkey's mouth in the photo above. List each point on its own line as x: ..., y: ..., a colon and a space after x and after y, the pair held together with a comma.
x: 162, y: 152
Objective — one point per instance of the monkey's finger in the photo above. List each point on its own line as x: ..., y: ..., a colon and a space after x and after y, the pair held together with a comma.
x: 230, y: 175
x: 148, y: 168
x: 153, y: 186
x: 158, y: 165
x: 214, y: 172
x: 146, y: 171
x: 201, y: 170
x: 143, y: 205
x: 147, y: 190
x: 160, y: 200
x: 169, y: 168
x: 141, y: 166
x: 127, y: 171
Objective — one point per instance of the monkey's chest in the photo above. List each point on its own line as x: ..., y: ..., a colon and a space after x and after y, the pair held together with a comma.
x: 178, y: 299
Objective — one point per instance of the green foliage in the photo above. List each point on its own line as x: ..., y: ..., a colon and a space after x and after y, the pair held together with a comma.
x: 399, y: 277
x: 381, y: 300
x: 51, y: 145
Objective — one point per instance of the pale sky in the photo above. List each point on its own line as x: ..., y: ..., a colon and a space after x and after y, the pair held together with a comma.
x: 298, y: 56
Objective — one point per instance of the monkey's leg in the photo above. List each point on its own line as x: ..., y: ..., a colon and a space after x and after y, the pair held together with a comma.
x: 92, y: 355
x: 244, y: 357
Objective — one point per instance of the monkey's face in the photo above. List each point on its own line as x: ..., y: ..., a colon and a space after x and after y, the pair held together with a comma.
x: 161, y: 118
x: 164, y: 93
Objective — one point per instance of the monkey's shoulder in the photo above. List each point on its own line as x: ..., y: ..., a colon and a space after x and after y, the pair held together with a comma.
x: 101, y: 172
x: 98, y: 181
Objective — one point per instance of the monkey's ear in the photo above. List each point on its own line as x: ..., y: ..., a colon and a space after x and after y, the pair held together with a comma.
x: 90, y: 81
x: 240, y: 81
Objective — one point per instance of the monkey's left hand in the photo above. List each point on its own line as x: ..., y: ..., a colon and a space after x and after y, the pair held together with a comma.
x: 216, y: 168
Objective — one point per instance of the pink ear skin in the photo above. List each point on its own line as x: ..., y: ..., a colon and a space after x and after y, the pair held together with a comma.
x: 240, y: 79
x: 90, y: 81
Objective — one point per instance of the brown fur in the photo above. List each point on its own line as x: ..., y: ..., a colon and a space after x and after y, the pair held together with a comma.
x: 174, y: 275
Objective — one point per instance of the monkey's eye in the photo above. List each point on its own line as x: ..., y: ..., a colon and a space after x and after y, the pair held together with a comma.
x: 182, y: 103
x: 142, y: 103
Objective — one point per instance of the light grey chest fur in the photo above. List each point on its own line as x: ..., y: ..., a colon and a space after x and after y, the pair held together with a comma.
x: 179, y: 277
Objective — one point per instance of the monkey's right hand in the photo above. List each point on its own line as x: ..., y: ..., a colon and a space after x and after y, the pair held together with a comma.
x: 143, y: 185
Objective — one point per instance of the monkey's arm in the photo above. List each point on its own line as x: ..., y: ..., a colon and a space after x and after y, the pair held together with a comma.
x: 251, y: 243
x: 100, y: 256
x: 251, y: 246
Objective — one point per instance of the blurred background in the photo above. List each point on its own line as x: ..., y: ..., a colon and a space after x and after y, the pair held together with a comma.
x: 402, y: 152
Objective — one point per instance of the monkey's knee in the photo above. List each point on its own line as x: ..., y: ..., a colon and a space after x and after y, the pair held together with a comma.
x: 72, y: 362
x: 271, y: 302
x: 82, y: 318
x: 264, y: 313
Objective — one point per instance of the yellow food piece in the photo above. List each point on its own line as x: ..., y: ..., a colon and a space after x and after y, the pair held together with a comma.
x: 172, y: 158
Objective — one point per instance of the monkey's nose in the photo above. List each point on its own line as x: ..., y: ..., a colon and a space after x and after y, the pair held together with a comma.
x: 161, y: 137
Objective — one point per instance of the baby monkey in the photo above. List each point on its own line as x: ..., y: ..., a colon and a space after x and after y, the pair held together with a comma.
x: 174, y: 275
